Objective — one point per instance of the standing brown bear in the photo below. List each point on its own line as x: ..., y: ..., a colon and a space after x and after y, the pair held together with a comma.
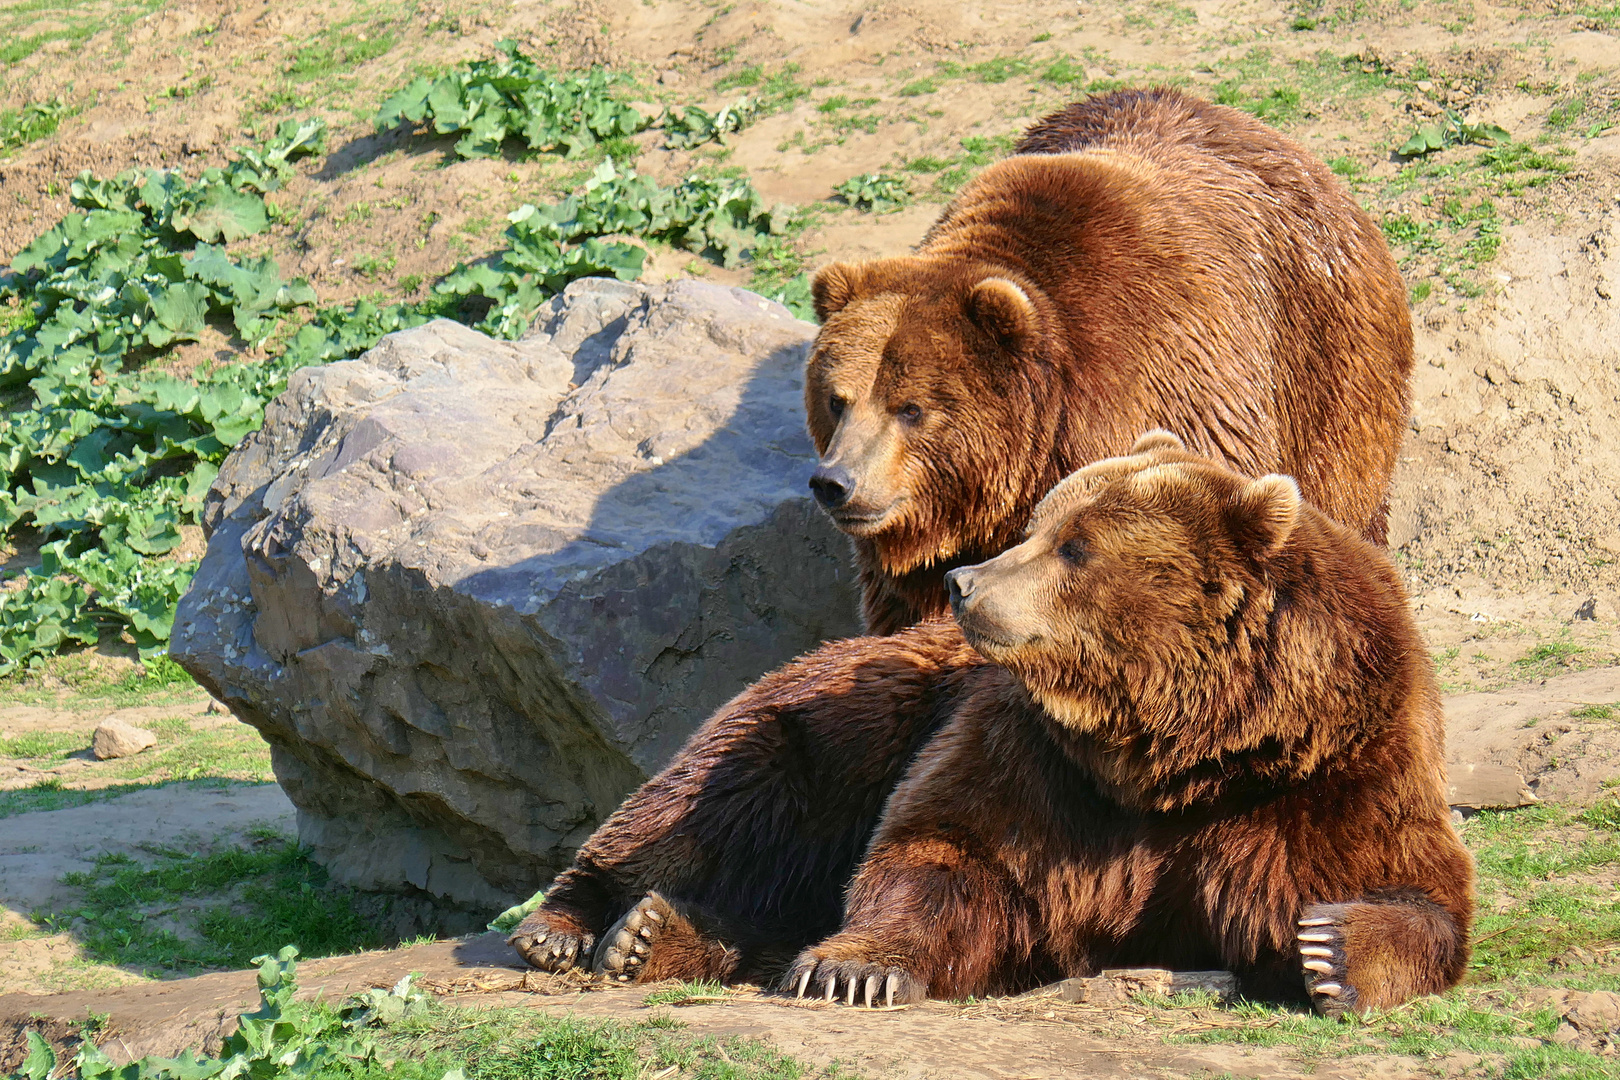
x: 1211, y: 737
x: 1145, y: 260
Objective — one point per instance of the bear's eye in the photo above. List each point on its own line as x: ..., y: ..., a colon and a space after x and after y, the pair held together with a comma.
x: 1072, y: 551
x: 910, y: 413
x: 836, y: 405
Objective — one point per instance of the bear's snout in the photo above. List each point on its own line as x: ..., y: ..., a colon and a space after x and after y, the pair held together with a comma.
x: 959, y: 583
x: 832, y: 485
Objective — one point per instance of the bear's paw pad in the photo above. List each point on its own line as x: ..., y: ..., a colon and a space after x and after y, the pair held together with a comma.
x: 1320, y: 940
x: 548, y: 945
x: 628, y: 943
x: 848, y: 980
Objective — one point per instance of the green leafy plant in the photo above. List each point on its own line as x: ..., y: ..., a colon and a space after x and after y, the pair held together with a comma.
x: 282, y: 1038
x: 514, y: 97
x: 553, y: 245
x: 694, y: 126
x: 875, y: 193
x: 19, y: 127
x: 1451, y: 131
x: 108, y: 465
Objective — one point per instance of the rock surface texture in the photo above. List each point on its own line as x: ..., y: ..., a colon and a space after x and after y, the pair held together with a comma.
x: 473, y: 591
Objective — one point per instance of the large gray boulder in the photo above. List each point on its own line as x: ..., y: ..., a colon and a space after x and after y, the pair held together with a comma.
x: 473, y: 592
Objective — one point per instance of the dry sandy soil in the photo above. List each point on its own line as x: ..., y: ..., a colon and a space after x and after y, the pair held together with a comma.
x: 1507, y: 507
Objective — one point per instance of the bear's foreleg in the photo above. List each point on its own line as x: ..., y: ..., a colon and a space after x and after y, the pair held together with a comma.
x: 924, y: 918
x: 1377, y: 952
x: 762, y: 816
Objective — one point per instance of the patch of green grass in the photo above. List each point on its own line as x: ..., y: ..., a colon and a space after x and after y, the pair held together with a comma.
x: 1603, y: 814
x: 1161, y: 14
x: 1549, y: 656
x: 1565, y: 113
x: 1597, y: 712
x: 337, y: 50
x: 1421, y: 291
x: 184, y: 911
x: 50, y: 794
x: 38, y: 745
x: 773, y: 90
x: 156, y: 681
x: 76, y: 21
x: 1534, y: 858
x: 686, y: 993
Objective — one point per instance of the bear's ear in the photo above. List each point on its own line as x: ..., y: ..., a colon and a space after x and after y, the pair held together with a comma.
x: 1264, y: 513
x: 833, y: 287
x: 1157, y: 439
x: 1002, y: 309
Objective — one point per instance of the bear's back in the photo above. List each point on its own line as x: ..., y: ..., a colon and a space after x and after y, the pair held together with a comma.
x: 1212, y: 279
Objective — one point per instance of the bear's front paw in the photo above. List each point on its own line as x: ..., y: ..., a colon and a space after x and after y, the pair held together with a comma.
x: 876, y: 983
x: 551, y: 942
x: 1321, y: 955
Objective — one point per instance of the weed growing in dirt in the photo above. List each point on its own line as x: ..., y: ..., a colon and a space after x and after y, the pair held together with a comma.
x: 514, y: 97
x: 1597, y: 712
x: 183, y: 911
x: 693, y: 126
x: 19, y: 127
x: 1451, y: 130
x: 875, y: 193
x: 686, y: 993
x: 1547, y: 657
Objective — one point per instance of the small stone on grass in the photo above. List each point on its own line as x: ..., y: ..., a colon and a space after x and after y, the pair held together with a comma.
x: 115, y: 738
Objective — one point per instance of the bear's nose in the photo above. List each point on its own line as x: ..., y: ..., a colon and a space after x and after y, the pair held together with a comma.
x: 959, y: 583
x: 832, y: 486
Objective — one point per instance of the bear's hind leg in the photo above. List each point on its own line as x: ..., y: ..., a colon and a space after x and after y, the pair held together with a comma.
x: 1378, y: 952
x: 662, y: 938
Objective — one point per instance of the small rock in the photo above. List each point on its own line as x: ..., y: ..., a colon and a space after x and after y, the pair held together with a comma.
x: 215, y: 708
x: 115, y: 739
x: 1587, y: 612
x: 669, y: 78
x: 1565, y: 1034
x: 1486, y: 787
x: 1425, y: 86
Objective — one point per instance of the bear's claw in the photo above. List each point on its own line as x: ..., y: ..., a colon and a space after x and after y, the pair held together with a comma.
x: 548, y: 947
x: 853, y: 978
x: 628, y: 943
x: 1321, y: 955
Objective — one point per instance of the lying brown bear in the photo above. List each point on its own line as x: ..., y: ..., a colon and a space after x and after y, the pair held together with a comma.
x: 1144, y: 260
x: 1209, y: 737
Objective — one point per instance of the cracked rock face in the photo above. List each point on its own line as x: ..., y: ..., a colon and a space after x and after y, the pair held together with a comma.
x: 473, y: 592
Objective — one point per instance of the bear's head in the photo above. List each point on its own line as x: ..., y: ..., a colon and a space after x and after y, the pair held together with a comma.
x: 923, y: 403
x: 1200, y: 625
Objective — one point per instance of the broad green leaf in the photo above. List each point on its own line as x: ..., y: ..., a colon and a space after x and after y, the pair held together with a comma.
x: 223, y: 214
x: 178, y: 313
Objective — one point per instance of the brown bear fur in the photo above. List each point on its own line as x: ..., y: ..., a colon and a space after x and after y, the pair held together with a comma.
x: 1144, y: 260
x: 756, y: 825
x: 1211, y: 738
x: 1229, y: 725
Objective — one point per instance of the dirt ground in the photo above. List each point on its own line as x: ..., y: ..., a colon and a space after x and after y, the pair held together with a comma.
x: 1506, y: 513
x: 1034, y: 1037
